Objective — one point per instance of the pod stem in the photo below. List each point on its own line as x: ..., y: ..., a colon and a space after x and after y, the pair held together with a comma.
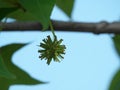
x: 52, y: 29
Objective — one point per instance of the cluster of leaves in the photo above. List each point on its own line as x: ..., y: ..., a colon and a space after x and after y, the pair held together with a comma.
x: 26, y: 10
x: 33, y: 10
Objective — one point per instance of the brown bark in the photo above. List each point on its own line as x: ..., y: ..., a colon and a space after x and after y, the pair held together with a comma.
x: 97, y: 28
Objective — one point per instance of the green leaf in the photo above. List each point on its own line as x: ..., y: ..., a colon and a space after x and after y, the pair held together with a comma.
x: 116, y: 40
x: 10, y: 1
x: 7, y: 7
x: 39, y: 9
x: 20, y: 15
x: 3, y: 4
x: 115, y: 83
x: 21, y: 76
x: 66, y: 6
x: 4, y: 71
x: 6, y: 11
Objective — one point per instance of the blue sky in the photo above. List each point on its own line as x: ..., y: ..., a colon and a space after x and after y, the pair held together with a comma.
x: 90, y: 60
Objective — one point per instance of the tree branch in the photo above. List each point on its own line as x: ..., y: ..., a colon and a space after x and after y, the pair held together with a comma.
x: 97, y: 28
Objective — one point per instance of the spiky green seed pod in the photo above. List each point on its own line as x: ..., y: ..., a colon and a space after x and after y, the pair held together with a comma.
x: 51, y: 49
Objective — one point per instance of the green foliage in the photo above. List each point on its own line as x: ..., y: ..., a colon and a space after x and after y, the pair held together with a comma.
x: 32, y: 10
x: 4, y: 4
x: 40, y: 9
x: 66, y: 6
x: 20, y: 15
x: 6, y: 7
x: 4, y: 71
x: 115, y: 84
x: 116, y: 40
x: 6, y: 11
x: 21, y: 76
